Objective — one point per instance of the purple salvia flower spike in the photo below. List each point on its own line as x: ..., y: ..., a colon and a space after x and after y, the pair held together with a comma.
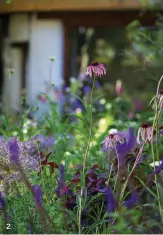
x: 132, y: 201
x: 38, y: 194
x: 111, y: 203
x: 14, y: 150
x: 2, y: 201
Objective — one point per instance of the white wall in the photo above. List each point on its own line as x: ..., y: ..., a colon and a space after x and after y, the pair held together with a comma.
x: 12, y: 57
x: 13, y: 82
x: 46, y: 40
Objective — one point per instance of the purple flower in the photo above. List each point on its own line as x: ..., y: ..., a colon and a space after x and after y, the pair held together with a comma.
x: 111, y: 140
x: 82, y: 77
x: 14, y: 150
x: 138, y: 104
x: 38, y: 194
x: 120, y: 140
x: 97, y: 85
x: 2, y: 201
x: 111, y: 203
x: 123, y: 149
x: 87, y: 90
x: 133, y: 199
x: 96, y: 69
x: 45, y: 141
x: 77, y: 104
x: 159, y: 168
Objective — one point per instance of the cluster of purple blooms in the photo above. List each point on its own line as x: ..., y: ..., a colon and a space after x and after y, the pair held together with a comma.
x: 125, y: 147
x: 72, y: 104
x: 18, y: 159
x: 24, y: 153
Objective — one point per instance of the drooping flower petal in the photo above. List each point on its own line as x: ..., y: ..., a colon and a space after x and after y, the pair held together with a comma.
x: 96, y: 69
x: 145, y: 134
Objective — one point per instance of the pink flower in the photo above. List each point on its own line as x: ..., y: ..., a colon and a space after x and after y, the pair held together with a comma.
x: 42, y: 98
x: 138, y: 104
x: 131, y: 114
x: 118, y: 88
x: 96, y: 69
x: 111, y: 140
x: 144, y: 134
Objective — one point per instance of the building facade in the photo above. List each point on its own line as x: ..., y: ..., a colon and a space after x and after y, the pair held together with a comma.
x: 34, y: 32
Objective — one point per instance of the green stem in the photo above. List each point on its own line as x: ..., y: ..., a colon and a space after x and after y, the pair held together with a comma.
x: 135, y: 164
x: 86, y: 153
x: 155, y: 126
x: 91, y: 124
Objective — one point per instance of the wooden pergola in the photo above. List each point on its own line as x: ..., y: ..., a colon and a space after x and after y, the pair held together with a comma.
x: 68, y: 5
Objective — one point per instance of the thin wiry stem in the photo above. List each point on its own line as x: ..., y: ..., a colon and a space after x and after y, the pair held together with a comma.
x: 135, y: 164
x: 91, y: 124
x: 50, y: 80
x: 117, y: 176
x: 86, y: 153
x: 155, y: 126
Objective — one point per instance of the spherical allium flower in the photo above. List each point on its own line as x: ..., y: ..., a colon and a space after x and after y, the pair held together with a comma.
x: 96, y: 69
x: 144, y: 134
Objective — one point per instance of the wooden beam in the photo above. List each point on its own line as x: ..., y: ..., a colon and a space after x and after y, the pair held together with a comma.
x: 67, y: 5
x: 109, y: 19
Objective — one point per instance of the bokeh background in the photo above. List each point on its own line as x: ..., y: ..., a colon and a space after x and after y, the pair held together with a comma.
x: 54, y: 40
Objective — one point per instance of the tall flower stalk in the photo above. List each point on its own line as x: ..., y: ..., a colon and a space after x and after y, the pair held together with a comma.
x: 94, y: 70
x: 91, y: 124
x: 155, y: 128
